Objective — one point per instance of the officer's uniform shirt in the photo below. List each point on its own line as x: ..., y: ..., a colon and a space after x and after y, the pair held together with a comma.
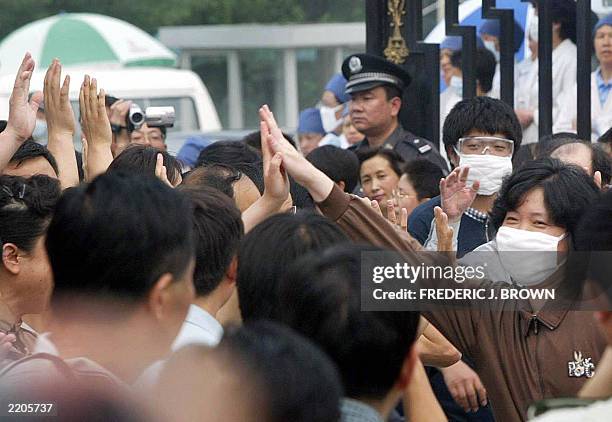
x: 408, y: 146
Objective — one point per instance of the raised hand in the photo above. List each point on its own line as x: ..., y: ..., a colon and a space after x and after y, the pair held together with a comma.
x: 276, y: 180
x: 22, y: 114
x: 402, y: 222
x: 60, y: 121
x: 160, y: 170
x: 316, y: 182
x: 456, y: 196
x: 58, y: 111
x: 94, y: 120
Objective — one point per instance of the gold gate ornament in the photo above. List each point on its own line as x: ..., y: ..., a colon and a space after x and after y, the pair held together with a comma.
x: 397, y: 50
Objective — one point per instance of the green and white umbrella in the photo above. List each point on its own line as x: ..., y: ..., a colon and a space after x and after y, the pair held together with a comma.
x: 83, y: 39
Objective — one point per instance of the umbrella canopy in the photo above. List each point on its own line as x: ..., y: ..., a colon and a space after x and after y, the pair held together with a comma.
x: 83, y: 39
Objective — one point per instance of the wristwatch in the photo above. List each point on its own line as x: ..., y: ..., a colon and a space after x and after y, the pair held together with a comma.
x: 117, y: 128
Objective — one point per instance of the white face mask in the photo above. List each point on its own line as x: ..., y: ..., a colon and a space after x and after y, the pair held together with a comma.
x: 529, y: 257
x: 490, y: 45
x: 456, y: 84
x: 40, y: 133
x: 489, y: 170
x: 533, y: 28
x: 328, y: 118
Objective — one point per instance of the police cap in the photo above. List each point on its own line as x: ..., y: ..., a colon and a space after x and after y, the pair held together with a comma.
x: 365, y: 71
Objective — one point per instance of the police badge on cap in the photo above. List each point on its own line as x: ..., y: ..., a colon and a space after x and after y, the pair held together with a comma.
x: 364, y: 71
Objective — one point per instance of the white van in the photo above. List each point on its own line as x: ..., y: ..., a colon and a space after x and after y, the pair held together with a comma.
x: 182, y: 89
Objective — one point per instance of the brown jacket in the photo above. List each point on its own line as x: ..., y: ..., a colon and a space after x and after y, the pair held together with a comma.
x: 520, y: 356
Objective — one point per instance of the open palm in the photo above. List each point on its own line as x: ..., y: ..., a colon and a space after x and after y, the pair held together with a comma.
x: 22, y: 114
x: 456, y: 196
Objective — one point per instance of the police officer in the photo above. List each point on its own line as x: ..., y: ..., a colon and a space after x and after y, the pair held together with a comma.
x: 376, y: 86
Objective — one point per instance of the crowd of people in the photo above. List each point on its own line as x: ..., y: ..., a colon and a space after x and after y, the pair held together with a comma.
x: 227, y: 283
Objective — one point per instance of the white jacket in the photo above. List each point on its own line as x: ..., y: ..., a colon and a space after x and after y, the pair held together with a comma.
x: 601, y: 115
x: 563, y: 79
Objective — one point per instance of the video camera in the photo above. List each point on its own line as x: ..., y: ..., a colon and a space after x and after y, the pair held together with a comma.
x: 153, y: 117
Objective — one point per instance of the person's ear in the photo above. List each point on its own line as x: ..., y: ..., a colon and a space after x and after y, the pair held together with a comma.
x: 396, y: 105
x: 407, y: 368
x: 231, y: 274
x: 341, y: 184
x: 604, y: 317
x: 452, y: 156
x: 10, y: 258
x: 160, y: 296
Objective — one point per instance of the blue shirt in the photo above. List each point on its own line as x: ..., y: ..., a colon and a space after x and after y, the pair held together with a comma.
x: 603, y: 87
x: 472, y: 233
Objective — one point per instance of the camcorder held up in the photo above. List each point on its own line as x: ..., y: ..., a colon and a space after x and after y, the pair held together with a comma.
x: 162, y: 117
x: 152, y: 116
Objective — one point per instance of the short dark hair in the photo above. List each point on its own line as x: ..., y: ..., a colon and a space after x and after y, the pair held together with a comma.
x: 568, y: 192
x: 321, y: 299
x: 487, y: 115
x: 600, y: 160
x: 392, y: 91
x: 302, y: 383
x: 289, y: 236
x: 253, y: 140
x: 141, y: 159
x: 549, y: 143
x: 602, y: 163
x: 31, y: 149
x: 564, y: 12
x: 239, y: 155
x: 393, y: 158
x: 424, y: 176
x: 485, y: 67
x: 217, y: 176
x: 3, y: 124
x: 114, y: 238
x: 218, y: 229
x: 26, y: 207
x: 606, y: 138
x: 338, y: 164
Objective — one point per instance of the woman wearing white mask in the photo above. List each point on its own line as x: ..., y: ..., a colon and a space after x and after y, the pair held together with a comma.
x: 535, y: 215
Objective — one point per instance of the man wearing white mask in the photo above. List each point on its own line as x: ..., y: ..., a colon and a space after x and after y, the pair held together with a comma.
x: 601, y: 84
x: 482, y: 133
x: 485, y: 70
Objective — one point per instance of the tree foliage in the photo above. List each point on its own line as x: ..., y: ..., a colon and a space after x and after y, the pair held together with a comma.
x: 151, y: 14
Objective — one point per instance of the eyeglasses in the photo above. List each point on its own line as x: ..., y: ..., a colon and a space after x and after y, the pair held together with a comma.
x: 401, y: 195
x: 492, y: 145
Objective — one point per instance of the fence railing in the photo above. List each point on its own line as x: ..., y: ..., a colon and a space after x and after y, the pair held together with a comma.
x: 422, y: 99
